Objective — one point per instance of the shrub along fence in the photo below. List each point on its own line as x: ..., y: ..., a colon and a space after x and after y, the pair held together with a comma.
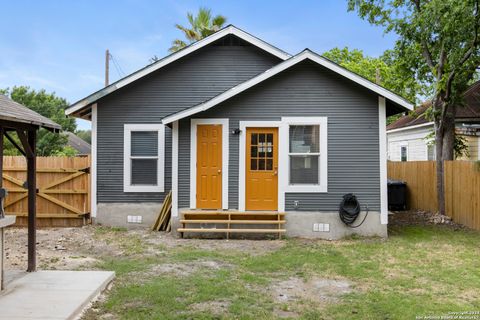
x: 462, y: 188
x: 63, y: 190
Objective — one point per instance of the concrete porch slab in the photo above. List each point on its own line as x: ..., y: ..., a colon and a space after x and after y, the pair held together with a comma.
x: 51, y: 294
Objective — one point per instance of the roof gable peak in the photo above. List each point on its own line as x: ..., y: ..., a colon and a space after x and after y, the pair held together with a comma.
x: 228, y: 30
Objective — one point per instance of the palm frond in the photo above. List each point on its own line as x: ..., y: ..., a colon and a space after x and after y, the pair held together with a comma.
x: 202, y: 25
x: 177, y: 44
x: 218, y: 22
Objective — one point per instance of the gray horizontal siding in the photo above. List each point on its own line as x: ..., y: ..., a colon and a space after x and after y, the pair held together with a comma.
x: 308, y: 90
x: 182, y: 84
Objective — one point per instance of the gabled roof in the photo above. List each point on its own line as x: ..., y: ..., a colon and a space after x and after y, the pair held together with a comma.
x: 229, y: 30
x: 470, y: 112
x: 304, y: 55
x: 78, y: 144
x: 15, y: 112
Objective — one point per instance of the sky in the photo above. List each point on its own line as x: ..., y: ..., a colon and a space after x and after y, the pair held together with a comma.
x: 60, y: 46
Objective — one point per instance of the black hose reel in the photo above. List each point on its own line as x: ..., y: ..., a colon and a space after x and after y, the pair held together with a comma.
x: 350, y: 210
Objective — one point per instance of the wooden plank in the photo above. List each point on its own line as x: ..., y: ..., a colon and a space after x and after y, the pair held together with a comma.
x: 60, y: 203
x: 48, y: 215
x: 206, y: 212
x: 208, y: 230
x: 234, y: 221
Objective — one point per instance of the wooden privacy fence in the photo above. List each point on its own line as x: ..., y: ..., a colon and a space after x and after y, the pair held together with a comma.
x: 63, y: 195
x: 462, y: 188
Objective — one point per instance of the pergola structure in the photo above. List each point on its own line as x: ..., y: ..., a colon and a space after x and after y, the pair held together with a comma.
x: 15, y: 117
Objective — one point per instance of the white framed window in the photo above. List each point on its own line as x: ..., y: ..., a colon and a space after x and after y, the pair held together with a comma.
x: 143, y: 158
x: 404, y: 152
x: 306, y: 154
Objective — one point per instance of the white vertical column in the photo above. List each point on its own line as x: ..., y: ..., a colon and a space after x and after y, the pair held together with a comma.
x: 175, y: 169
x: 93, y: 169
x: 382, y: 131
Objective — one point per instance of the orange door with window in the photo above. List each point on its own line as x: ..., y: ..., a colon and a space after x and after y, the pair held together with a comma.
x: 261, y: 169
x: 209, y: 166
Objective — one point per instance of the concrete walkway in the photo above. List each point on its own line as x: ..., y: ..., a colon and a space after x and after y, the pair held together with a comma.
x: 51, y: 294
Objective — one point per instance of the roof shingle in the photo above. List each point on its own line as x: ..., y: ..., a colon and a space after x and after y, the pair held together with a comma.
x: 13, y: 111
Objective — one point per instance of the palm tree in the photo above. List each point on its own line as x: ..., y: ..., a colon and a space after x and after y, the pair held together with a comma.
x: 201, y: 26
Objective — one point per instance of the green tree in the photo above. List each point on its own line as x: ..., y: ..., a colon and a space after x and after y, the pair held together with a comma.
x: 202, y: 25
x: 438, y: 44
x: 50, y: 106
x: 383, y: 70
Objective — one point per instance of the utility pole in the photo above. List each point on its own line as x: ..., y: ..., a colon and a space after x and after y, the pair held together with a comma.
x: 107, y: 67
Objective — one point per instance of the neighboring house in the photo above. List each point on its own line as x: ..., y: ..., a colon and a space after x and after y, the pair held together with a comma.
x: 409, y: 137
x: 83, y: 148
x: 233, y: 123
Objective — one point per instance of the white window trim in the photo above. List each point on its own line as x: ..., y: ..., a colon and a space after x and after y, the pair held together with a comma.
x: 128, y: 128
x: 322, y: 187
x: 403, y: 144
x: 193, y: 158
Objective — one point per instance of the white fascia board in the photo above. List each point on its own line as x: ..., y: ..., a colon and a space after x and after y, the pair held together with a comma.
x: 279, y: 68
x: 411, y: 127
x: 175, y: 56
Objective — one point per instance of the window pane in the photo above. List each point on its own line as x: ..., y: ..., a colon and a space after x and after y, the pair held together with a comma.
x: 253, y: 164
x: 304, y: 139
x: 304, y: 169
x: 144, y: 143
x: 261, y: 164
x: 253, y: 151
x: 403, y: 153
x: 144, y: 172
x: 269, y: 164
x: 254, y: 139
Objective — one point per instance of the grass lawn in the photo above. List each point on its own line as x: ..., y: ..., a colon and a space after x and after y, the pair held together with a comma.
x: 418, y: 271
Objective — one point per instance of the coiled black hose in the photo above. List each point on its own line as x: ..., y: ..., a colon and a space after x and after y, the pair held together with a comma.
x: 350, y: 210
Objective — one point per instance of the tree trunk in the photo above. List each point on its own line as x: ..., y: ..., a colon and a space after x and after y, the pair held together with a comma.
x: 449, y: 134
x: 440, y: 171
x: 439, y: 138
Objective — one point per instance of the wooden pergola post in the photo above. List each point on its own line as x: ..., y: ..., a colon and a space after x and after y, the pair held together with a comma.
x: 15, y: 117
x: 32, y: 207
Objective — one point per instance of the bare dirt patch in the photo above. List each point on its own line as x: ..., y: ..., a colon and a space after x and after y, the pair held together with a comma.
x: 216, y: 308
x: 57, y: 248
x: 315, y: 290
x: 421, y: 218
x: 251, y: 247
x: 180, y: 270
x: 80, y: 248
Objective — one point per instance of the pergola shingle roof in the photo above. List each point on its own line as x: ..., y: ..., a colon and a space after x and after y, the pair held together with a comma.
x: 15, y: 112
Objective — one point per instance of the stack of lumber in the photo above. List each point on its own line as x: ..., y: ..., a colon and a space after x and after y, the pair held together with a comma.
x: 163, y: 221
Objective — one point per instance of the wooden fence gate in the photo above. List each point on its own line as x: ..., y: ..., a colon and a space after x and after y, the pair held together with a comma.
x: 63, y: 190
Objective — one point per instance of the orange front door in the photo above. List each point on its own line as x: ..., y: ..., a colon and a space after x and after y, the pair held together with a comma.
x: 261, y: 169
x: 209, y: 166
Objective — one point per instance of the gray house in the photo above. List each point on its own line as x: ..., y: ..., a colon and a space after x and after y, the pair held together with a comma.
x: 236, y: 127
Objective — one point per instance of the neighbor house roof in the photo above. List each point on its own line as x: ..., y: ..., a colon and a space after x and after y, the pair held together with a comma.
x: 304, y: 55
x: 15, y: 112
x: 466, y: 113
x: 79, y: 106
x: 78, y: 144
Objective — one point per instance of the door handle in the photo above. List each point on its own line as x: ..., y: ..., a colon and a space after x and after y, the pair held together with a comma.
x: 275, y: 173
x: 219, y: 171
